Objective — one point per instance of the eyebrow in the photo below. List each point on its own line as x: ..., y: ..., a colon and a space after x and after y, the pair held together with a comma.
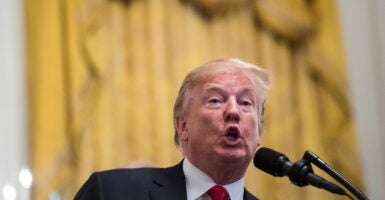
x: 220, y: 88
x: 214, y: 87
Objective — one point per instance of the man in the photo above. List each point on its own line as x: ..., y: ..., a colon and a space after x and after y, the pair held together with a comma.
x: 218, y: 120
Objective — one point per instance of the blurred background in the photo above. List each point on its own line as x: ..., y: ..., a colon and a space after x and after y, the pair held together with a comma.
x: 89, y: 85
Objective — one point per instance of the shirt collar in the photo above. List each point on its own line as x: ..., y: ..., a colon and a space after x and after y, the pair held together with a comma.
x: 197, y: 183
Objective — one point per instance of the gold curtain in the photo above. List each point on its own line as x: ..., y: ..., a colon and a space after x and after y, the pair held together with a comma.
x: 103, y: 75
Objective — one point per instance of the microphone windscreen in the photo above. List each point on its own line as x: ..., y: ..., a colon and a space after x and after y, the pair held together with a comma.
x: 267, y: 160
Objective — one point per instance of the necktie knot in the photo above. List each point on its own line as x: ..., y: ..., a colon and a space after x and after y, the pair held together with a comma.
x: 218, y: 192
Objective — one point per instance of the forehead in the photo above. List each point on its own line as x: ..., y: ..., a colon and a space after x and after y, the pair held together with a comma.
x: 231, y: 81
x: 236, y: 78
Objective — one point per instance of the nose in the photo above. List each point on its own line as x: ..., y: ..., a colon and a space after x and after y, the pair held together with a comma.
x: 231, y: 113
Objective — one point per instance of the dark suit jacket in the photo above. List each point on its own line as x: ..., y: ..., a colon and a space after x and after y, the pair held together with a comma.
x: 137, y: 184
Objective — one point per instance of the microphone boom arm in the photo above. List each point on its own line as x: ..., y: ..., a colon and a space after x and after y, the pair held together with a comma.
x: 313, y: 158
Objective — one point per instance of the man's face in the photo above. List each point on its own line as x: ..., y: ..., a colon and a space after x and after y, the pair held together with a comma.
x: 221, y: 122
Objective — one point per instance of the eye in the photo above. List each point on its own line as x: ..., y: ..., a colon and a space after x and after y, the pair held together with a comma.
x: 246, y: 103
x: 214, y: 100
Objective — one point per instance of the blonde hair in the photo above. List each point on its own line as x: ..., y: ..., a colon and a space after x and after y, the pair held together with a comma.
x: 259, y: 77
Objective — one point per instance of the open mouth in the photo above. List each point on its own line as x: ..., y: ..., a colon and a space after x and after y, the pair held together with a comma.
x: 232, y: 133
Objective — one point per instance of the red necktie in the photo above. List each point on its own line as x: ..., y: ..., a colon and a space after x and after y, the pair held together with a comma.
x: 218, y: 192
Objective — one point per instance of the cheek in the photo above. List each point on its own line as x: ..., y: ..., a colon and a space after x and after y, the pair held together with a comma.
x: 209, y: 117
x: 253, y: 142
x: 203, y: 122
x: 253, y: 134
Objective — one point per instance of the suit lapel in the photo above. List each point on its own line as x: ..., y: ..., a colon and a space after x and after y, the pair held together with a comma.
x: 170, y: 185
x: 248, y: 196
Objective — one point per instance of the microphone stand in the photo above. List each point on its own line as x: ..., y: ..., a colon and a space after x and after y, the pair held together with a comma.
x: 313, y: 158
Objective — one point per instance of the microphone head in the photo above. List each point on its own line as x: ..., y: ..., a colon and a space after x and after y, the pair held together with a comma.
x: 270, y: 161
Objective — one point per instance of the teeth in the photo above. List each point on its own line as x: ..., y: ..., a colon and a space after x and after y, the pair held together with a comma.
x: 232, y: 133
x: 232, y: 136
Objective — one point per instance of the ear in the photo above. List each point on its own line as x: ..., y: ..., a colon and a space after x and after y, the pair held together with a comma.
x: 181, y: 126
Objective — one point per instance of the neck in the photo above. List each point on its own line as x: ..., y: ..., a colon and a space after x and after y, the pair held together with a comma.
x: 223, y: 173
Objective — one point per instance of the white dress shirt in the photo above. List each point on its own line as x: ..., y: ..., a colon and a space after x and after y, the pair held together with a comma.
x: 197, y: 184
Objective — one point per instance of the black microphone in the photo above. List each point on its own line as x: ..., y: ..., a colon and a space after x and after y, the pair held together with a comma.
x: 299, y: 173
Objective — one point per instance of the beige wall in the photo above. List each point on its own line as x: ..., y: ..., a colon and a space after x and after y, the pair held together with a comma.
x: 13, y: 109
x: 364, y: 36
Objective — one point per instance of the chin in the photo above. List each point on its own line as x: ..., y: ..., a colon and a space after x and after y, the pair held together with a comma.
x: 235, y: 157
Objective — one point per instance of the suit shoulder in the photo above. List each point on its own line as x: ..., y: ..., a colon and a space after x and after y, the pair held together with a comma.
x: 129, y: 175
x: 132, y: 182
x: 135, y: 177
x: 129, y: 171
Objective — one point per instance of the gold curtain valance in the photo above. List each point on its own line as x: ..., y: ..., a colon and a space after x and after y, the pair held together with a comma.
x: 211, y: 8
x: 294, y: 20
